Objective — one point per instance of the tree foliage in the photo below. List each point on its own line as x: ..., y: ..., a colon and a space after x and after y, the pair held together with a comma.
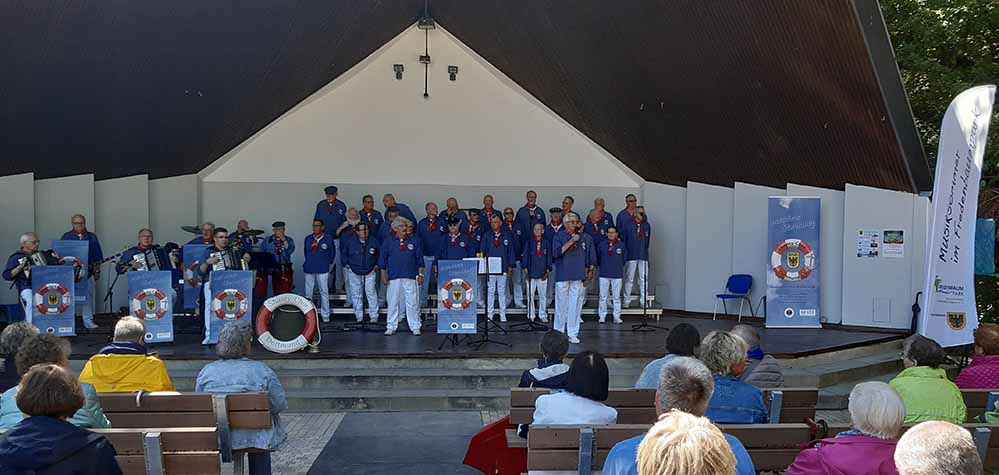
x: 944, y: 47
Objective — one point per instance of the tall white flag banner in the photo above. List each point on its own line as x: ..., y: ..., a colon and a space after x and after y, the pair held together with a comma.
x: 949, y: 315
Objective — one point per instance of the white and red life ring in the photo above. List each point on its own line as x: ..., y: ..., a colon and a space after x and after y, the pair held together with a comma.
x: 141, y: 310
x: 447, y: 299
x: 49, y: 291
x: 264, y: 319
x: 222, y: 308
x: 805, y: 265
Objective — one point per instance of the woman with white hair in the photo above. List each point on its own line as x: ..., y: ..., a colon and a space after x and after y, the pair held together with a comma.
x: 401, y: 262
x: 734, y: 401
x: 876, y: 414
x: 235, y: 373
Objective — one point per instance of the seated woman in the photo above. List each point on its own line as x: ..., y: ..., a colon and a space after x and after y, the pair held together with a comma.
x: 49, y: 349
x: 234, y: 373
x: 10, y: 341
x: 551, y: 371
x: 983, y: 371
x: 876, y: 414
x: 683, y: 340
x: 684, y: 444
x: 923, y: 385
x: 44, y: 442
x: 734, y: 401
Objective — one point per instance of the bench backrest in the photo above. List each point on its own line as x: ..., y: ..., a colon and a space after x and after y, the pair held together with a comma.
x: 979, y: 401
x: 169, y: 409
x: 637, y: 406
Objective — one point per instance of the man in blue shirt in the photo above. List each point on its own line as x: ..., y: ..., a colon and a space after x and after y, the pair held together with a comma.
x: 570, y: 257
x: 474, y: 231
x: 596, y: 230
x: 401, y: 263
x: 206, y: 266
x: 685, y: 384
x: 453, y: 212
x: 389, y: 201
x: 431, y: 231
x: 455, y: 245
x: 370, y: 216
x: 605, y: 218
x: 636, y: 234
x: 282, y: 247
x: 530, y: 214
x: 18, y: 271
x: 207, y: 236
x: 497, y: 243
x: 360, y: 256
x: 516, y: 278
x: 551, y: 230
x: 488, y: 211
x: 536, y: 258
x: 319, y: 250
x: 611, y: 256
x: 94, y: 254
x: 333, y: 213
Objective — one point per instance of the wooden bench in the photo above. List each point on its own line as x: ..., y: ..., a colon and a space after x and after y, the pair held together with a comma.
x: 224, y: 412
x: 979, y: 401
x: 771, y: 446
x: 637, y: 406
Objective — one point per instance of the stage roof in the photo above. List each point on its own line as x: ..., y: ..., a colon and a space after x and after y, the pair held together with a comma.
x: 767, y: 92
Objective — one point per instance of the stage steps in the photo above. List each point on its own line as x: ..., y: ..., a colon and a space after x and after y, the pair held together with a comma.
x: 836, y: 373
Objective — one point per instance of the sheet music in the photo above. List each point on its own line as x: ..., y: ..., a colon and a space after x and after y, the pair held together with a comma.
x: 495, y: 265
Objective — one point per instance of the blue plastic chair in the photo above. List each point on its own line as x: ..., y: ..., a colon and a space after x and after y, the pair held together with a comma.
x: 737, y: 287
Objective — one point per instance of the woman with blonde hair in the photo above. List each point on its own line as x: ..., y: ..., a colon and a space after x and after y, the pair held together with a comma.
x: 684, y: 444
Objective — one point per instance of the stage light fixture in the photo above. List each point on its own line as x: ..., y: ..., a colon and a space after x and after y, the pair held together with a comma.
x: 398, y: 68
x: 452, y: 71
x: 426, y: 22
x: 424, y: 59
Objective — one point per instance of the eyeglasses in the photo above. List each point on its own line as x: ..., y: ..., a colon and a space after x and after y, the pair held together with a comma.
x: 631, y: 201
x: 508, y: 212
x: 80, y: 223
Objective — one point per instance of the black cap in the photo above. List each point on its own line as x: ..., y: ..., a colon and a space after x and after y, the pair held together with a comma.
x: 555, y: 210
x: 452, y: 220
x: 474, y: 211
x: 331, y: 189
x: 392, y: 209
x: 171, y: 246
x: 278, y: 224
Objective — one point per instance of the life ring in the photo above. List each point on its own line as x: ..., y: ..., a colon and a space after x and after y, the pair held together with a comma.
x: 805, y: 260
x: 64, y: 299
x: 77, y: 267
x: 230, y: 304
x: 191, y: 275
x: 463, y: 300
x: 264, y: 319
x: 141, y: 301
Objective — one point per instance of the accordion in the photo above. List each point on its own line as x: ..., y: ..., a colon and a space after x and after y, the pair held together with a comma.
x: 229, y: 259
x: 39, y: 258
x: 150, y: 259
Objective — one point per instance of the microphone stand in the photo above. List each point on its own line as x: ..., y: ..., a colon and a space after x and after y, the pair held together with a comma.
x: 645, y: 326
x: 109, y: 297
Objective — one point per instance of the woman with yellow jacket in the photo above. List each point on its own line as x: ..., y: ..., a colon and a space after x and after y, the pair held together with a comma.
x: 923, y: 384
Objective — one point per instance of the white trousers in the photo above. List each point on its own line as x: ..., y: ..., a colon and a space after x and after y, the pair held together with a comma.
x: 566, y: 307
x: 360, y: 286
x: 629, y: 280
x: 403, y: 294
x: 322, y: 281
x: 28, y: 302
x: 516, y: 284
x: 538, y: 286
x: 430, y: 272
x: 612, y: 286
x: 496, y: 290
x: 581, y: 300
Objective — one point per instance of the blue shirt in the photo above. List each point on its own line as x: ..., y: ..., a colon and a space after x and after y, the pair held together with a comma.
x: 361, y: 257
x: 736, y: 402
x: 570, y: 265
x: 454, y: 248
x: 518, y: 238
x: 401, y: 259
x: 527, y: 218
x: 486, y: 216
x: 462, y: 218
x: 624, y: 216
x: 611, y: 263
x: 536, y: 265
x: 332, y: 215
x: 284, y: 253
x: 404, y: 211
x: 318, y: 261
x: 373, y: 220
x: 551, y: 231
x: 91, y: 415
x: 649, y: 379
x: 596, y: 231
x: 623, y: 457
x: 243, y: 376
x: 198, y: 240
x: 124, y: 263
x: 94, y: 253
x: 498, y: 245
x: 474, y: 237
x: 431, y: 238
x: 638, y: 246
x: 20, y: 280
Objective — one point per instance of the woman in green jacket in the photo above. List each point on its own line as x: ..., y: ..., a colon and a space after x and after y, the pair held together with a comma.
x: 923, y: 384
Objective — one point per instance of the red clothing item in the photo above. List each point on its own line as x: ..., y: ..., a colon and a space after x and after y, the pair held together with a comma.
x: 488, y: 452
x: 981, y: 373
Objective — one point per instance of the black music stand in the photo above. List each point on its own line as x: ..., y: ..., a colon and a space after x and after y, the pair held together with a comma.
x: 484, y: 339
x: 529, y: 325
x: 645, y: 326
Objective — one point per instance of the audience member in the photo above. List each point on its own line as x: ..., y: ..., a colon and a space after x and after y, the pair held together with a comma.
x: 45, y: 443
x: 551, y: 371
x: 937, y: 448
x: 683, y: 444
x: 733, y: 402
x: 876, y: 413
x: 49, y: 349
x: 125, y: 365
x: 10, y: 341
x: 762, y: 371
x: 685, y: 385
x: 683, y: 340
x: 983, y: 371
x: 923, y: 384
x: 234, y: 373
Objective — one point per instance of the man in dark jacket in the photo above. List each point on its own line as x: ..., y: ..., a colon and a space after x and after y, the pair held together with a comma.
x: 551, y: 371
x: 762, y: 370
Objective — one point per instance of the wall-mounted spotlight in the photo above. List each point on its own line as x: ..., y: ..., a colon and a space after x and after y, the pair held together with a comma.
x: 398, y: 68
x: 424, y: 59
x: 452, y: 71
x: 426, y: 22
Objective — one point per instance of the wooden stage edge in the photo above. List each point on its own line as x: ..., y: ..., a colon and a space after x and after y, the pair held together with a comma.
x: 613, y: 341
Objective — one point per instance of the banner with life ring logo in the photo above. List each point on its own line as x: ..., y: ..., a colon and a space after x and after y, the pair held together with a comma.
x: 231, y: 294
x: 77, y: 254
x: 456, y: 296
x: 793, y: 262
x: 151, y: 299
x: 54, y: 305
x: 190, y: 255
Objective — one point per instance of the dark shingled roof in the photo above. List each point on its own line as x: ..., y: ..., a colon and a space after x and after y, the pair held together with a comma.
x: 765, y: 92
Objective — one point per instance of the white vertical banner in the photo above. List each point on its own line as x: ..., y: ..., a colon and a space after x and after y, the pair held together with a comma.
x: 949, y: 314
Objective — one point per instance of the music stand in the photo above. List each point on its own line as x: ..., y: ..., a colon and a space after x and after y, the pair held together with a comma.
x: 645, y: 326
x: 531, y: 325
x: 484, y: 339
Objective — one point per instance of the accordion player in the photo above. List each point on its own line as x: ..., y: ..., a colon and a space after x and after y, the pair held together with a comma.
x: 39, y: 258
x: 151, y: 258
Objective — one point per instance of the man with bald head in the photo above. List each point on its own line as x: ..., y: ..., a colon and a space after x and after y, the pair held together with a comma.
x: 453, y: 212
x: 487, y: 212
x: 389, y: 201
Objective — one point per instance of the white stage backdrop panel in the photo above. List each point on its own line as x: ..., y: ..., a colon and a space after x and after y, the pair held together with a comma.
x: 708, y: 245
x: 877, y: 287
x: 122, y: 210
x: 750, y: 254
x: 831, y: 254
x: 57, y: 200
x: 263, y: 203
x: 173, y: 202
x: 666, y: 207
x: 17, y: 216
x: 921, y: 211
